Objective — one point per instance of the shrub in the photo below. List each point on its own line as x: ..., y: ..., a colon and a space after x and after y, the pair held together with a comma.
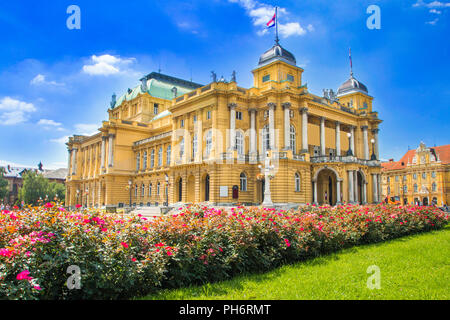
x: 125, y: 256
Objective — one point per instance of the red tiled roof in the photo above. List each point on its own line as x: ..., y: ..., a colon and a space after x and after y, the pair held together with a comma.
x: 442, y: 151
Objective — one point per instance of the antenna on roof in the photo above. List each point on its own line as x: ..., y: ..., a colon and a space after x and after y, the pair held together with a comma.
x: 351, y: 63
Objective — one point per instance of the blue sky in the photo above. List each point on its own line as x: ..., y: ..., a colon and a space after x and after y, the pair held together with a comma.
x: 55, y: 82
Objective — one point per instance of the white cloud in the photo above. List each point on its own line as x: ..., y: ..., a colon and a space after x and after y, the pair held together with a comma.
x: 106, y: 65
x: 86, y: 129
x: 50, y: 124
x: 13, y: 111
x: 61, y: 140
x: 433, y: 22
x: 435, y: 11
x: 261, y: 13
x: 433, y: 4
x: 40, y: 80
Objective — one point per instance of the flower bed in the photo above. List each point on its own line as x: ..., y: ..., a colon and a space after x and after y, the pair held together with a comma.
x: 122, y: 257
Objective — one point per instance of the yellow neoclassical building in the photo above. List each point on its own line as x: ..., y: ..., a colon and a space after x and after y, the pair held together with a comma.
x: 421, y: 176
x: 277, y: 143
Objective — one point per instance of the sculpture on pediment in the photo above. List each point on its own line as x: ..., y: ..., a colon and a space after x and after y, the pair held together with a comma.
x: 213, y: 76
x: 113, y: 101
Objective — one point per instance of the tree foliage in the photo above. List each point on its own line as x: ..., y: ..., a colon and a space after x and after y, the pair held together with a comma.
x: 36, y: 187
x: 3, y: 184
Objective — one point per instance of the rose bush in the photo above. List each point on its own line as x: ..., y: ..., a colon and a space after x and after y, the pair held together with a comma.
x: 126, y: 256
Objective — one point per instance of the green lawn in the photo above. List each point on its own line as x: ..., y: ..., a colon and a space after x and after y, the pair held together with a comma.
x: 413, y: 267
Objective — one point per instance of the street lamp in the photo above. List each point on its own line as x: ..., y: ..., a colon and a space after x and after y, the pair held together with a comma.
x: 129, y: 187
x: 167, y: 190
x: 349, y: 151
x: 373, y: 157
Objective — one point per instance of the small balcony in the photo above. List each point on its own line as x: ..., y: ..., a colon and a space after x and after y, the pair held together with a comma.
x: 345, y: 159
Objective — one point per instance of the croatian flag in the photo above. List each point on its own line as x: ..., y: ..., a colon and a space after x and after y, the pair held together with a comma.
x: 271, y: 23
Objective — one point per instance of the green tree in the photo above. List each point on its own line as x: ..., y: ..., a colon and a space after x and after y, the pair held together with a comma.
x: 3, y: 184
x: 55, y: 188
x: 34, y: 186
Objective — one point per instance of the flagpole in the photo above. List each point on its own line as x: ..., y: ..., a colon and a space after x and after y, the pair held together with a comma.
x: 276, y: 25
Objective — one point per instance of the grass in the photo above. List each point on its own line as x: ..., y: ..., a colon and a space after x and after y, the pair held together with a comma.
x: 413, y: 267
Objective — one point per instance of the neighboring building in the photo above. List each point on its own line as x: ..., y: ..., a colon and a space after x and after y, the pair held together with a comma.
x: 208, y: 141
x: 422, y: 176
x: 15, y: 180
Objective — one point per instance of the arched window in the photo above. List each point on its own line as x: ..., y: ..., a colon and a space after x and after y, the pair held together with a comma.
x: 135, y: 190
x: 433, y: 174
x: 194, y: 146
x: 388, y: 190
x: 292, y: 139
x: 405, y: 189
x: 142, y: 190
x: 297, y: 182
x: 168, y: 154
x: 152, y: 158
x: 388, y: 179
x: 160, y: 156
x: 433, y: 187
x: 181, y: 147
x: 243, y: 179
x: 138, y: 161
x: 208, y: 143
x: 415, y: 187
x: 239, y: 142
x: 144, y: 164
x: 150, y: 190
x: 265, y: 139
x: 158, y: 185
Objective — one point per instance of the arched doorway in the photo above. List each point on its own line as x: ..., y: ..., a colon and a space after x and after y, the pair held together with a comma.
x: 425, y: 201
x: 359, y: 187
x: 190, y: 189
x: 260, y: 190
x: 205, y: 188
x: 326, y: 186
x: 179, y: 188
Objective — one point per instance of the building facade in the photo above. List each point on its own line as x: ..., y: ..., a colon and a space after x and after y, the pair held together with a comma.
x: 422, y: 176
x: 172, y: 140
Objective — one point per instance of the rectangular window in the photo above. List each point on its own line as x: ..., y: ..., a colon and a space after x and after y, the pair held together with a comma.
x: 290, y: 78
x: 182, y: 123
x: 208, y: 115
x: 238, y: 115
x: 266, y: 78
x: 155, y: 108
x: 195, y: 118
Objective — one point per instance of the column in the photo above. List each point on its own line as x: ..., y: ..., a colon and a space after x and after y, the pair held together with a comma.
x: 338, y: 138
x: 352, y: 140
x: 110, y: 150
x: 103, y: 152
x: 232, y: 107
x: 74, y: 161
x: 322, y: 136
x: 69, y: 160
x: 378, y: 187
x: 350, y: 187
x: 375, y: 188
x: 364, y: 197
x: 271, y: 106
x: 315, y: 192
x: 375, y: 137
x: 253, y: 131
x: 338, y: 191
x: 355, y: 185
x: 366, y: 142
x: 287, y: 126
x: 304, y: 112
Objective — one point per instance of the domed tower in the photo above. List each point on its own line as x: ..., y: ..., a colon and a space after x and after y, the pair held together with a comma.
x: 354, y: 94
x: 277, y: 65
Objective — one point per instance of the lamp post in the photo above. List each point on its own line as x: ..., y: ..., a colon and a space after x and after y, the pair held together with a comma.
x: 167, y: 190
x: 349, y: 151
x: 373, y: 157
x: 129, y: 187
